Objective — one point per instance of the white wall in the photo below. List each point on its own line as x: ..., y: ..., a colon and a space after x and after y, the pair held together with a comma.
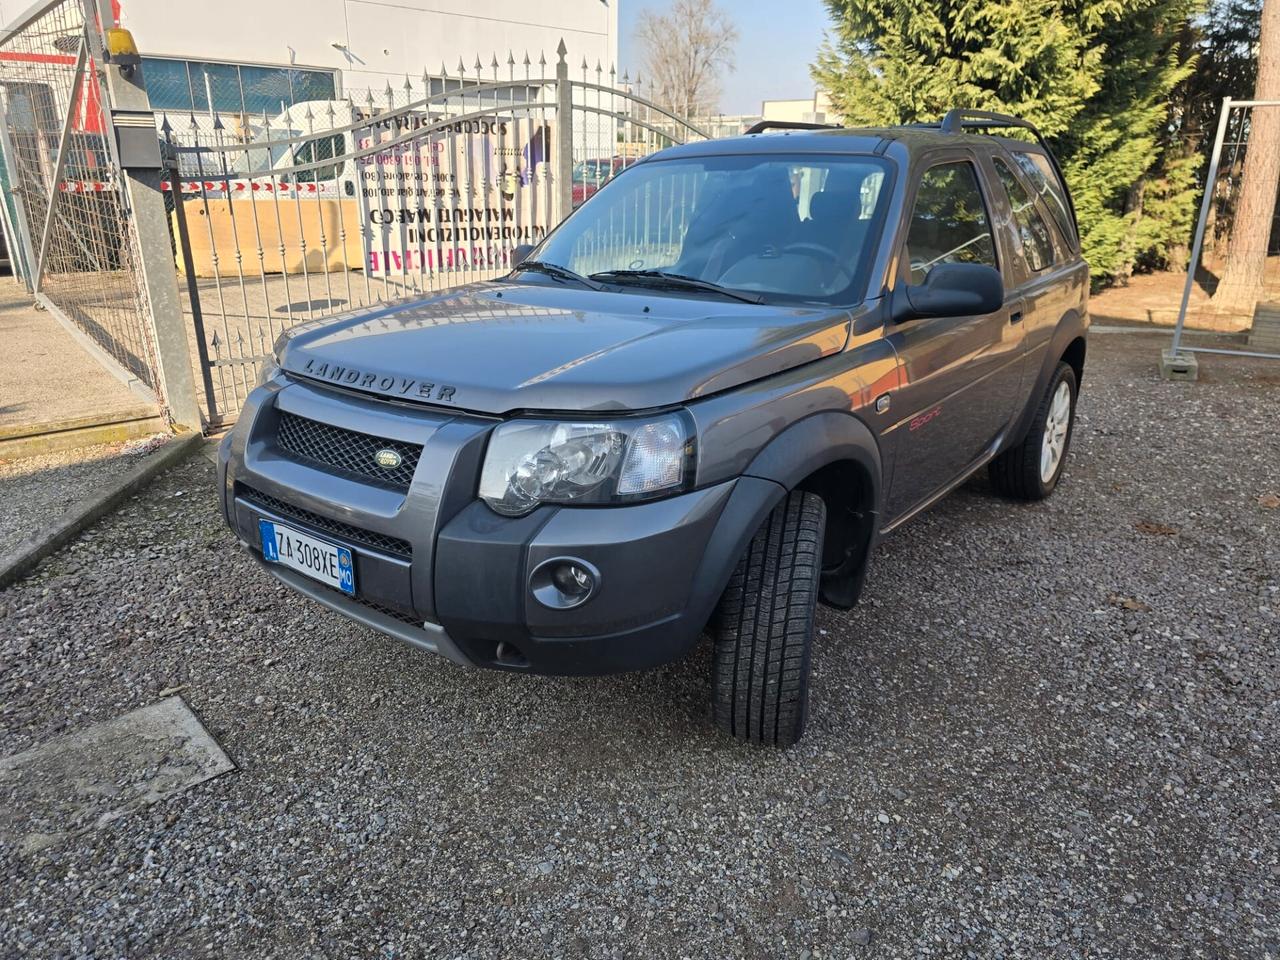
x: 383, y: 41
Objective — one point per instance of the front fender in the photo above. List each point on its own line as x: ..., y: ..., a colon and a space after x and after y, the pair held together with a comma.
x: 800, y: 456
x: 815, y: 442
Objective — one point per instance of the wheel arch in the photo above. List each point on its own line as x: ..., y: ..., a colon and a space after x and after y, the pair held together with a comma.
x: 1068, y: 345
x: 836, y: 456
x: 1074, y: 355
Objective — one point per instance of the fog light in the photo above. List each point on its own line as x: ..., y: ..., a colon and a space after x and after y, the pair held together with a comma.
x: 563, y: 582
x: 573, y: 580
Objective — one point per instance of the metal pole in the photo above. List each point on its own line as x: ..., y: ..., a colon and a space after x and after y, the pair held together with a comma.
x: 143, y: 170
x: 193, y: 288
x: 1211, y: 180
x: 563, y: 161
x: 15, y: 253
x: 22, y: 228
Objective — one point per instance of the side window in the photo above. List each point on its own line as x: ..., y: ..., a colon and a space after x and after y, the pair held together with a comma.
x: 1044, y: 180
x: 949, y: 223
x: 1037, y: 246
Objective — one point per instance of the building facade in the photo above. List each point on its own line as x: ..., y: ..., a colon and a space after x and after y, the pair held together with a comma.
x: 255, y: 57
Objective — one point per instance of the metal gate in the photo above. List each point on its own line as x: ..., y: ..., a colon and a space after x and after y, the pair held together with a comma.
x: 1233, y: 280
x: 330, y: 206
x: 77, y: 248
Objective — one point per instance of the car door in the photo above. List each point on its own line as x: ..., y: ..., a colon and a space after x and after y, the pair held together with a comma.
x: 959, y: 376
x: 1039, y: 253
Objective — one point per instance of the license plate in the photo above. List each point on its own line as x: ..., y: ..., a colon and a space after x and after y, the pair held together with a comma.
x: 318, y: 559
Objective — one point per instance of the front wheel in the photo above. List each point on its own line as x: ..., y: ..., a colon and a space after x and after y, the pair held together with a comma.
x: 764, y: 627
x: 1031, y: 470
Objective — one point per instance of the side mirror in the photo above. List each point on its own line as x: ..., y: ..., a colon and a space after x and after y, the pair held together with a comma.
x: 521, y: 253
x: 951, y: 290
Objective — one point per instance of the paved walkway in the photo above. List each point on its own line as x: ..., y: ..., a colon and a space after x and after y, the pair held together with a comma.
x: 47, y: 377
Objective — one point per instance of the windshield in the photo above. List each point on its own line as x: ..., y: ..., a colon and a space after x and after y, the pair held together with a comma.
x: 787, y: 227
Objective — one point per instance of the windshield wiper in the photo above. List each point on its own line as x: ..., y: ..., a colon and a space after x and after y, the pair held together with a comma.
x: 678, y: 280
x: 557, y: 271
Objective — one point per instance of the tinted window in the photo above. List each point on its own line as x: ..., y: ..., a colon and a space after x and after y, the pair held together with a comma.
x: 187, y: 85
x: 1037, y: 246
x: 1040, y: 174
x: 219, y: 80
x: 266, y: 90
x: 167, y: 84
x: 788, y: 227
x: 310, y: 85
x: 949, y: 222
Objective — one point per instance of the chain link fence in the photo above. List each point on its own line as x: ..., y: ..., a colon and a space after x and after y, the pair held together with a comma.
x: 66, y: 191
x: 1233, y: 281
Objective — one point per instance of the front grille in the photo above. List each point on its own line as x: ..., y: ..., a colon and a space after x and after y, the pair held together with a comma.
x: 391, y: 612
x: 347, y: 450
x: 355, y: 535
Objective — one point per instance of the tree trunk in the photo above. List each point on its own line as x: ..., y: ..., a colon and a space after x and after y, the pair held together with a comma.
x: 1242, y: 277
x: 1133, y: 205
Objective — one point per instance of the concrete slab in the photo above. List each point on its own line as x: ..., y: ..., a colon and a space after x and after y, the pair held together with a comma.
x: 45, y: 376
x: 1178, y: 366
x: 83, y: 781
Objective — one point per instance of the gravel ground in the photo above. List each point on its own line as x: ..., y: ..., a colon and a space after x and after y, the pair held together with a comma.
x: 36, y: 489
x: 1048, y: 730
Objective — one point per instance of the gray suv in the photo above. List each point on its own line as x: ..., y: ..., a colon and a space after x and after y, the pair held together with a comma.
x: 699, y: 402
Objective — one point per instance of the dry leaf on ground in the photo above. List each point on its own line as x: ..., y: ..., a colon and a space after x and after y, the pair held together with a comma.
x: 1128, y: 603
x: 1155, y: 529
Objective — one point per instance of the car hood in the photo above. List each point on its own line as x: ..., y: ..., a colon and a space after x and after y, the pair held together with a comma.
x: 496, y: 348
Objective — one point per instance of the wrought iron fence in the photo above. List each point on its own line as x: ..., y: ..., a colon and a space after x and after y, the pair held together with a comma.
x: 1233, y: 280
x: 338, y: 204
x: 277, y: 218
x: 67, y: 203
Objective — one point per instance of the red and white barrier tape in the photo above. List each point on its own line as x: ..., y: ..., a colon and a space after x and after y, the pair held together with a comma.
x: 199, y: 186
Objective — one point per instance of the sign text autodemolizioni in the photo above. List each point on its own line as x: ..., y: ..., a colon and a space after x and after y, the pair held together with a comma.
x: 459, y: 198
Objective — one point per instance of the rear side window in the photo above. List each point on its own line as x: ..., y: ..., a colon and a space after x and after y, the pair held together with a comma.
x: 1044, y: 180
x: 1037, y: 245
x: 949, y: 223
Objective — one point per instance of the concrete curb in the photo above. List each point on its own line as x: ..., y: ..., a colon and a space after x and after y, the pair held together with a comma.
x: 15, y: 431
x: 34, y: 439
x: 24, y: 557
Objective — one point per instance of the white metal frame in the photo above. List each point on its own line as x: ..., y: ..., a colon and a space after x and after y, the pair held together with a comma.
x: 1211, y: 179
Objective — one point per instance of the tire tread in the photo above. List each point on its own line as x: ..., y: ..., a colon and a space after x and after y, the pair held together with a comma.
x: 764, y: 627
x: 1016, y: 472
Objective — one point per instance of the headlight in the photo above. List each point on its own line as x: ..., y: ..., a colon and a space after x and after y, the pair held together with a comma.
x: 270, y: 366
x: 601, y: 461
x: 267, y: 370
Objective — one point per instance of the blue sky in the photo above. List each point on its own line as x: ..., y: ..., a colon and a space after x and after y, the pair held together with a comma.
x: 778, y: 40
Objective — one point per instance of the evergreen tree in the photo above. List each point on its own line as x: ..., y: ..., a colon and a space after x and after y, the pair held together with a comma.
x: 1094, y: 75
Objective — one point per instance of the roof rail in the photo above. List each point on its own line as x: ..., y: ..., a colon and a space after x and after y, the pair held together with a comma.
x: 960, y: 119
x: 764, y: 125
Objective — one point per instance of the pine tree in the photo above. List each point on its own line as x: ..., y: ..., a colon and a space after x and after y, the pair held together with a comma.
x: 1094, y: 76
x: 1253, y: 220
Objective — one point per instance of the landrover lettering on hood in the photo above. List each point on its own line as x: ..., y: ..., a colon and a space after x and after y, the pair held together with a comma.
x: 364, y: 380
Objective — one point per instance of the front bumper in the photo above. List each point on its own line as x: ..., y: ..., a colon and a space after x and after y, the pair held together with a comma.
x: 438, y: 569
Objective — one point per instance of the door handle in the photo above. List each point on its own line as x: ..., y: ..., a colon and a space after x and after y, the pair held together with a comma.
x: 1015, y: 316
